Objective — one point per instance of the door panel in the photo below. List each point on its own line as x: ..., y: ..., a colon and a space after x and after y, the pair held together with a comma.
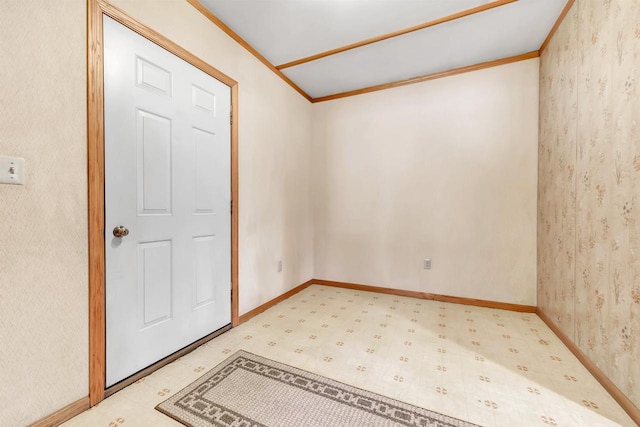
x: 153, y: 77
x: 154, y: 282
x: 167, y: 180
x: 204, y: 270
x: 154, y: 163
x: 204, y: 161
x: 203, y: 99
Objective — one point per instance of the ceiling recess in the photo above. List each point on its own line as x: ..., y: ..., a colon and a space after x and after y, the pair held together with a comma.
x: 330, y: 49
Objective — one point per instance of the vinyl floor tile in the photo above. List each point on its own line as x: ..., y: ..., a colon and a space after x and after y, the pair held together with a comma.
x: 489, y: 367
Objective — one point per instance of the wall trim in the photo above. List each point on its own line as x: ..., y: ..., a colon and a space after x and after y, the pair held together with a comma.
x: 626, y: 404
x: 432, y: 23
x: 224, y: 27
x: 428, y: 296
x: 555, y: 27
x: 391, y: 291
x: 433, y: 76
x: 64, y: 414
x: 629, y: 407
x: 276, y: 69
x: 95, y: 171
x: 252, y: 313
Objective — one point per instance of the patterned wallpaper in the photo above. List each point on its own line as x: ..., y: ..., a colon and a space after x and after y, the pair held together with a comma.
x: 589, y: 185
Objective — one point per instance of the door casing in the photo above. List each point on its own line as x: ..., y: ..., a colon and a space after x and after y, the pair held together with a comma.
x: 95, y: 167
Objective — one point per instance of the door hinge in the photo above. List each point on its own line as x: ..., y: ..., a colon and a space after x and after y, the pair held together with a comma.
x: 231, y: 117
x: 231, y: 207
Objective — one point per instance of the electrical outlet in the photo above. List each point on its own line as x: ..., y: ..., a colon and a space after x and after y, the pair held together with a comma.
x: 427, y: 264
x: 279, y: 266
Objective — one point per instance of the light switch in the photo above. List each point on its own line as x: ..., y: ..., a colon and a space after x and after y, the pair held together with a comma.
x: 11, y: 170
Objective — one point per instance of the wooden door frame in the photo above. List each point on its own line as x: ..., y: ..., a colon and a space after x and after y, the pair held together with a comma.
x: 95, y: 166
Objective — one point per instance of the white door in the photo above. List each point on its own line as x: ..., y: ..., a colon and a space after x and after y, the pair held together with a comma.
x: 167, y: 181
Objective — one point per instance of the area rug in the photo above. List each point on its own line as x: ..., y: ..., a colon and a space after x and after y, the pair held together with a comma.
x: 248, y: 390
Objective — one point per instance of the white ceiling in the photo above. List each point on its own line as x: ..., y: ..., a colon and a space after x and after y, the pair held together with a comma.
x: 286, y: 30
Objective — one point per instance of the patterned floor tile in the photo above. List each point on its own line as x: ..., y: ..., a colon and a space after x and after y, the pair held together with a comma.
x: 490, y: 367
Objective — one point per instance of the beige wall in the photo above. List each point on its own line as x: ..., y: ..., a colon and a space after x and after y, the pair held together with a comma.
x: 589, y: 186
x: 43, y: 239
x: 43, y: 249
x: 445, y: 169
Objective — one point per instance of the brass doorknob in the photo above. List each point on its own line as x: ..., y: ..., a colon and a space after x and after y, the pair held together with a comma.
x: 120, y: 231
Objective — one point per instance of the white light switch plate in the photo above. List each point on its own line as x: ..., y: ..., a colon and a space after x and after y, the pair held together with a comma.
x: 11, y: 170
